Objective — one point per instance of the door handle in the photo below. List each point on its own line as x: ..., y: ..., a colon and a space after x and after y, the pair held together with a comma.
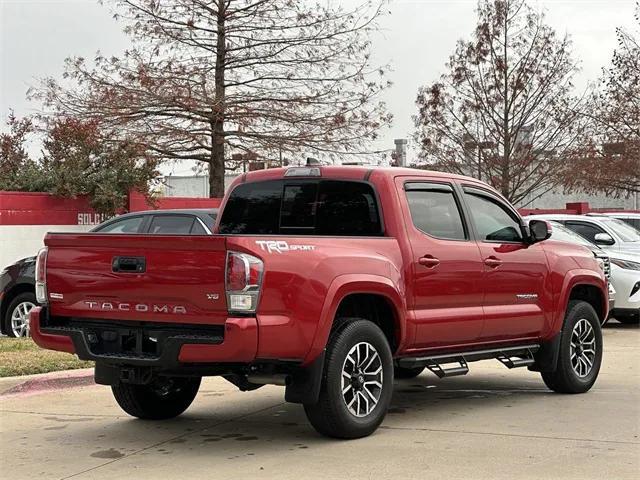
x: 129, y: 264
x: 429, y: 261
x: 492, y: 262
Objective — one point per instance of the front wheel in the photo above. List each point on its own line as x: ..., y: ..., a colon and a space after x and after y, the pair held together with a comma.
x: 580, y: 352
x: 16, y: 322
x: 161, y: 399
x: 357, y: 382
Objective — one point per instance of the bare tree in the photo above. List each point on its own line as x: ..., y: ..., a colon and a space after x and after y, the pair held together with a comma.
x: 210, y: 77
x: 504, y: 110
x: 608, y: 160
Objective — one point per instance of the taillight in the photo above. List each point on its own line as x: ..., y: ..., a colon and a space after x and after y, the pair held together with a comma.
x: 243, y: 281
x: 41, y: 273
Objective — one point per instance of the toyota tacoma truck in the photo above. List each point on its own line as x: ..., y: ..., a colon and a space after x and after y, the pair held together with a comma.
x: 329, y: 281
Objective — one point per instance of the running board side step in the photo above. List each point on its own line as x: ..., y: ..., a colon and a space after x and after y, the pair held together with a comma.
x: 441, y: 372
x: 510, y: 357
x: 515, y: 362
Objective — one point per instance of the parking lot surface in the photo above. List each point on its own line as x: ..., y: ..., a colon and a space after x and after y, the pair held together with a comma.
x: 493, y: 423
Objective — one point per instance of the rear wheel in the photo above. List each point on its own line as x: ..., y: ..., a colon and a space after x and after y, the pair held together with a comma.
x: 163, y: 398
x: 406, y: 373
x: 357, y: 382
x: 580, y: 352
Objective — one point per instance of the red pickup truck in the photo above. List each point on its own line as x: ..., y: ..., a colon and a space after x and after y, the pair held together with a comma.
x: 330, y: 281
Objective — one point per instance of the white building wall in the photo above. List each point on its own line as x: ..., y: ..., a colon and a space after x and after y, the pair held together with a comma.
x: 558, y: 199
x: 191, y: 186
x: 20, y: 241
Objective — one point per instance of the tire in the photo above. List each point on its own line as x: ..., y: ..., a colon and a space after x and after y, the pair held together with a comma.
x: 15, y: 314
x: 406, y: 373
x: 357, y: 346
x: 573, y: 373
x: 629, y: 319
x: 164, y: 398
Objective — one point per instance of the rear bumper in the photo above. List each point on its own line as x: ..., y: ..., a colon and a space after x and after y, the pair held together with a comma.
x: 155, y: 345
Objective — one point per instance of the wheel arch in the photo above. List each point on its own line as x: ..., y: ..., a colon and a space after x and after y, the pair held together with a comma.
x: 577, y: 285
x: 584, y: 285
x: 590, y: 294
x: 372, y: 297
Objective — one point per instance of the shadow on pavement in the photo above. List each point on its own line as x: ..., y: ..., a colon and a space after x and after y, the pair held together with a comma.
x: 226, y: 431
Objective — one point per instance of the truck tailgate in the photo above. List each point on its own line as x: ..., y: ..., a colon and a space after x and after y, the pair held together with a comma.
x: 158, y: 278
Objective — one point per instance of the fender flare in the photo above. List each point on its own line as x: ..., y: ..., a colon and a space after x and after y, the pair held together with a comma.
x: 572, y: 279
x: 348, y: 284
x: 547, y: 356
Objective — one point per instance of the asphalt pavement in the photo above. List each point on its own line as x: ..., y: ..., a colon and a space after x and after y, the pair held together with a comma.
x: 493, y: 423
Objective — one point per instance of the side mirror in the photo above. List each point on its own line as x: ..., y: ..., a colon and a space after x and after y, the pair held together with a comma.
x: 539, y: 230
x: 604, y: 239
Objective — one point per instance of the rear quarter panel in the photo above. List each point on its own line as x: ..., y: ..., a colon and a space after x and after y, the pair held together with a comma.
x: 300, y: 294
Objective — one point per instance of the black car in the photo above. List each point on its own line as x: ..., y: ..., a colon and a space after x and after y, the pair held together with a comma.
x: 17, y: 291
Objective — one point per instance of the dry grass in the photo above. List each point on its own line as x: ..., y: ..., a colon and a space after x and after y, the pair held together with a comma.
x: 20, y: 356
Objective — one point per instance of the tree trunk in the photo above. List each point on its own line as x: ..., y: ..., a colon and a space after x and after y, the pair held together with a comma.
x: 216, y: 172
x: 505, y: 177
x: 216, y: 164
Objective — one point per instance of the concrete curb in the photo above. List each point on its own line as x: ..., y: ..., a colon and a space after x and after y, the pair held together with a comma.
x: 46, y: 382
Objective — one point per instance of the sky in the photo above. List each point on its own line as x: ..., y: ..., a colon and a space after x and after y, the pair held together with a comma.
x: 416, y: 38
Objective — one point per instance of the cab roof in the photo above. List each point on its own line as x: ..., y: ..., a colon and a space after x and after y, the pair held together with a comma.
x: 350, y: 172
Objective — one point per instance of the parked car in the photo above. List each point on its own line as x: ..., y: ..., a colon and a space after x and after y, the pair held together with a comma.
x: 632, y: 219
x: 329, y: 281
x: 611, y: 234
x: 625, y: 272
x: 17, y: 282
x: 562, y: 234
x: 625, y: 276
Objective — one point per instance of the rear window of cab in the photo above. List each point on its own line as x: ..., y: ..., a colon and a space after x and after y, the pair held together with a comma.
x: 302, y: 207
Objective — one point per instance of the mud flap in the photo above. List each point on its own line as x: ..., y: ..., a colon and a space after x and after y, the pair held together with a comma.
x: 307, y: 382
x: 106, y: 374
x: 546, y: 358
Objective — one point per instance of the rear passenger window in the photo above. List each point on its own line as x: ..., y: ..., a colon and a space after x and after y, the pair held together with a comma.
x: 127, y: 225
x: 171, y: 224
x: 435, y: 212
x: 304, y: 207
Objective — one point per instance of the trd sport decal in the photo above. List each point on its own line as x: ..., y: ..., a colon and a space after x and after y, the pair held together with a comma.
x: 281, y: 246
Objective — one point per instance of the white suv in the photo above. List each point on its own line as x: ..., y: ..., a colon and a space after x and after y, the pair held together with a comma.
x: 622, y: 243
x: 632, y: 219
x: 611, y: 234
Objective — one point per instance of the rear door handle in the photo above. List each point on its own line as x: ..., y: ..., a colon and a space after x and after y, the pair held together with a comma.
x: 492, y: 262
x: 429, y: 261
